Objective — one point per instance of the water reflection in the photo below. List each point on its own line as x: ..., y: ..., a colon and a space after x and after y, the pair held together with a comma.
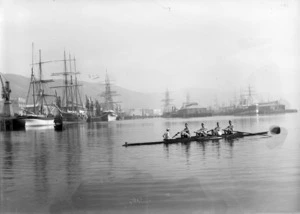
x: 73, y: 155
x: 166, y: 149
x: 8, y: 163
x: 8, y: 155
x: 186, y: 148
x: 216, y: 144
x: 202, y: 146
x: 230, y: 144
x: 85, y: 169
x: 40, y: 165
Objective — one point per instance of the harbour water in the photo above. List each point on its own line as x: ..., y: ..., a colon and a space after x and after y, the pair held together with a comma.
x: 85, y: 169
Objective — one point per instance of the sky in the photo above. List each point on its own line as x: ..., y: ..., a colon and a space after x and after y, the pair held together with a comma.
x: 154, y: 45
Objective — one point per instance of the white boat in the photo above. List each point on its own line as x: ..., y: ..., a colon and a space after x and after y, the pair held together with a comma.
x: 109, y: 115
x: 37, y: 120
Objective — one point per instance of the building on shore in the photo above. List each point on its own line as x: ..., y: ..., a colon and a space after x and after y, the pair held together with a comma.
x: 18, y: 104
x: 142, y: 113
x: 193, y: 110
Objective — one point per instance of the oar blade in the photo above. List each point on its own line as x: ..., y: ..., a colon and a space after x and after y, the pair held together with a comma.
x: 275, y: 130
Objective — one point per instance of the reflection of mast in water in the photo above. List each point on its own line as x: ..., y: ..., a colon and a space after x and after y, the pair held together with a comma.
x: 8, y: 162
x: 40, y: 169
x: 73, y: 156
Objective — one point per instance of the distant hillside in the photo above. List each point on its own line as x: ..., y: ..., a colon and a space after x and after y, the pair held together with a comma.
x: 132, y: 99
x: 129, y: 99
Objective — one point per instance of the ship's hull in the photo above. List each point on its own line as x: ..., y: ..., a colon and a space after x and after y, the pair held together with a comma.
x: 109, y: 117
x: 181, y: 115
x: 71, y: 117
x: 35, y: 121
x: 106, y: 116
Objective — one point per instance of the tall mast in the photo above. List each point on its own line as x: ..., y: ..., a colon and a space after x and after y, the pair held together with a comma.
x: 167, y: 101
x: 40, y: 91
x: 108, y: 94
x: 71, y: 88
x: 76, y: 86
x: 66, y: 79
x: 187, y: 98
x: 108, y: 97
x: 32, y: 81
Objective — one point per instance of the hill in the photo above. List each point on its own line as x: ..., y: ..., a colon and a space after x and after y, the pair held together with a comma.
x: 132, y: 99
x: 128, y: 99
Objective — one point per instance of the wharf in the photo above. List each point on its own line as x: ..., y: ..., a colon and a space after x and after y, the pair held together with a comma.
x: 11, y: 124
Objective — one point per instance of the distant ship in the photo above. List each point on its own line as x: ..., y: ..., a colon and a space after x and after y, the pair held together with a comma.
x: 168, y: 110
x: 193, y: 110
x: 107, y: 110
x: 38, y: 111
x: 247, y: 106
x: 188, y: 109
x: 70, y: 105
x: 273, y: 107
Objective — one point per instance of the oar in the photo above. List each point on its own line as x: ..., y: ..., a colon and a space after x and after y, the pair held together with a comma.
x: 176, y: 134
x: 242, y: 132
x: 275, y: 130
x: 248, y: 133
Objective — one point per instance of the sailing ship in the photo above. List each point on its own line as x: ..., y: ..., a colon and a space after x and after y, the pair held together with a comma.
x: 40, y: 112
x: 70, y: 105
x: 106, y: 111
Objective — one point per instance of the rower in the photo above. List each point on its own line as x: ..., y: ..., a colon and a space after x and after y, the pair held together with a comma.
x: 185, y: 133
x: 166, y: 135
x: 202, y: 132
x: 216, y: 131
x: 229, y: 129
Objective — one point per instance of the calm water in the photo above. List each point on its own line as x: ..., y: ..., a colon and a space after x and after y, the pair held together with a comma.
x: 85, y: 169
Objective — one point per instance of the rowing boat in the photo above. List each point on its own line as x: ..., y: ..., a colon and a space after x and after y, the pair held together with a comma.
x: 176, y: 140
x: 197, y: 138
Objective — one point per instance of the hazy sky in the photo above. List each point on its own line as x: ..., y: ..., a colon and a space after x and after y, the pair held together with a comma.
x: 151, y: 45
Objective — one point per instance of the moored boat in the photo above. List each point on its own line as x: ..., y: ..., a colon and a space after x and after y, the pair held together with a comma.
x: 39, y: 112
x: 109, y: 115
x: 70, y: 105
x: 106, y: 111
x: 37, y: 120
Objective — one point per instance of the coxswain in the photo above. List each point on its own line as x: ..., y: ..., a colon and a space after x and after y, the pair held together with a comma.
x: 185, y: 133
x: 166, y: 135
x: 229, y: 129
x: 202, y: 132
